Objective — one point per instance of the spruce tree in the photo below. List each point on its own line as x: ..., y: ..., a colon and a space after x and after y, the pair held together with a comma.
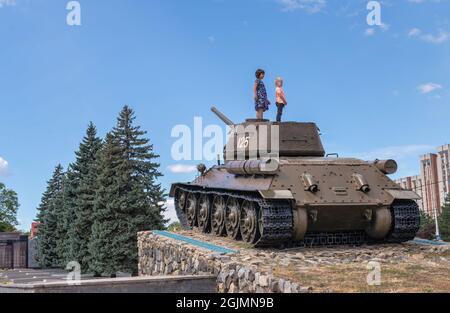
x: 45, y: 247
x: 105, y: 219
x: 49, y: 211
x: 70, y: 243
x: 84, y: 185
x: 57, y: 207
x: 128, y: 198
x: 444, y: 220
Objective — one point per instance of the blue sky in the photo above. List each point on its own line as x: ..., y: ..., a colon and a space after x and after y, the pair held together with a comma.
x: 379, y: 91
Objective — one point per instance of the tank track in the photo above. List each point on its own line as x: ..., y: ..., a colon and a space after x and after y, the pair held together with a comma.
x: 329, y: 239
x: 277, y: 215
x: 406, y: 221
x: 406, y: 224
x: 278, y: 223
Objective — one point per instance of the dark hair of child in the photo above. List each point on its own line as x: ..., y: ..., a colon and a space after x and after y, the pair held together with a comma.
x: 259, y: 72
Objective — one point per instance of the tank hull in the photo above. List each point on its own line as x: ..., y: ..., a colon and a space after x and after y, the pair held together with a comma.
x: 277, y: 188
x: 352, y: 202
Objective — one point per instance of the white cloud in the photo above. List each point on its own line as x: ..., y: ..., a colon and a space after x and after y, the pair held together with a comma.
x: 182, y: 168
x: 429, y: 87
x: 310, y: 6
x: 414, y: 32
x: 3, y: 165
x: 440, y: 37
x: 6, y: 3
x: 369, y: 32
x: 395, y: 152
x: 170, y: 213
x: 385, y: 27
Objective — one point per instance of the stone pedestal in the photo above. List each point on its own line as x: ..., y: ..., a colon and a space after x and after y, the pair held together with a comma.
x: 162, y: 254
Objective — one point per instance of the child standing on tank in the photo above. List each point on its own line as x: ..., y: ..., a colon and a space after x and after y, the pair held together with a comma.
x: 260, y: 95
x: 280, y: 98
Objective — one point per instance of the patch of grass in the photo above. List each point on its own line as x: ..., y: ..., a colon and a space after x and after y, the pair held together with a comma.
x: 353, y: 278
x: 243, y: 245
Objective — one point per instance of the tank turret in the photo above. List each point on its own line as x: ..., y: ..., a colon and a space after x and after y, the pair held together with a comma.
x: 262, y: 138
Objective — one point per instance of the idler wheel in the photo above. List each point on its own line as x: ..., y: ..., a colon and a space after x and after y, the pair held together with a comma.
x: 249, y: 222
x: 232, y: 218
x: 204, y: 214
x: 218, y: 216
x: 191, y: 209
x: 380, y: 224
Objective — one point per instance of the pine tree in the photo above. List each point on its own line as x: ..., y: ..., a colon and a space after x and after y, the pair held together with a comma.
x: 70, y: 186
x: 444, y: 220
x: 49, y: 212
x: 84, y: 185
x: 128, y: 200
x: 57, y: 204
x: 104, y: 228
x: 45, y: 247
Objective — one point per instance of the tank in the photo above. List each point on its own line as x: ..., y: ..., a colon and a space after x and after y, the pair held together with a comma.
x: 276, y: 186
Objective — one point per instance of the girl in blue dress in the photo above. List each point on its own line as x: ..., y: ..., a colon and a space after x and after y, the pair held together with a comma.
x: 261, y: 101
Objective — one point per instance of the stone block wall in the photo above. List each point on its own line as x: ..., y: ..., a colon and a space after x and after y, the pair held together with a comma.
x: 160, y: 255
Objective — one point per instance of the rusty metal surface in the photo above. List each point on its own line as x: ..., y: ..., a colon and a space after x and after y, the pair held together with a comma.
x: 218, y: 177
x: 335, y: 180
x: 403, y: 194
x: 295, y: 139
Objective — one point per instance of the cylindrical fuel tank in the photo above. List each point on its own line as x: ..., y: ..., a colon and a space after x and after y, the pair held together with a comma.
x: 253, y: 167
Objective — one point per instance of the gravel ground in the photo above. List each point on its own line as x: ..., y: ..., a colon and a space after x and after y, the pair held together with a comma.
x: 407, y: 267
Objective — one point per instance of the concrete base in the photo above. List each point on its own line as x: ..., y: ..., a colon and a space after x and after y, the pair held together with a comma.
x: 173, y: 284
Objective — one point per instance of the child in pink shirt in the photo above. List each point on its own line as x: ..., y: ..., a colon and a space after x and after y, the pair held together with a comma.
x: 281, y: 98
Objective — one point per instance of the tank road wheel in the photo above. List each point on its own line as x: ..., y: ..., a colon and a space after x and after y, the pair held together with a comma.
x: 180, y: 208
x: 218, y: 216
x: 249, y: 222
x: 232, y: 218
x: 260, y: 222
x: 204, y: 214
x: 182, y: 200
x: 191, y: 209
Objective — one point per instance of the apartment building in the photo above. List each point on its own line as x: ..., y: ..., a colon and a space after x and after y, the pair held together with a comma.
x: 413, y: 183
x: 443, y: 171
x: 433, y: 183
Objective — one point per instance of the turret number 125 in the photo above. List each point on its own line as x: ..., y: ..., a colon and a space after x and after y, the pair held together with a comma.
x: 243, y: 142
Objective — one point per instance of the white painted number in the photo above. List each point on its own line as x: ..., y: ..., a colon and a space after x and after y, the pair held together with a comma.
x: 243, y: 142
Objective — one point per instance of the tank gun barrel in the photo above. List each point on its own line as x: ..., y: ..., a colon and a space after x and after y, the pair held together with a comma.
x: 222, y: 116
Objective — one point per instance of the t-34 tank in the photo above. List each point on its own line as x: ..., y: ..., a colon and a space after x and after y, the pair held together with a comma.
x: 293, y: 194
